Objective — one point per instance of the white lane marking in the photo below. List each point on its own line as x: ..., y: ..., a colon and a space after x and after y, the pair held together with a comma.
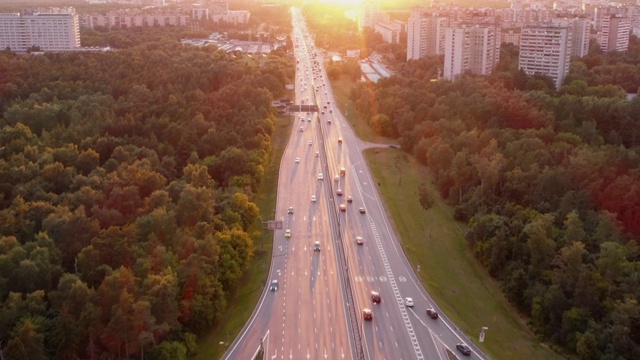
x: 396, y: 292
x: 418, y: 317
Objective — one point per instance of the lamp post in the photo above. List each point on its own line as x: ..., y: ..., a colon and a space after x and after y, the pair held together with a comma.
x: 262, y: 231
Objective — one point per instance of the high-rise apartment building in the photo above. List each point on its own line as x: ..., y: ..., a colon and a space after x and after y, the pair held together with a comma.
x: 369, y: 15
x: 390, y: 32
x: 546, y: 50
x: 470, y: 48
x: 510, y: 36
x: 580, y: 34
x: 425, y: 35
x: 614, y: 33
x: 47, y: 32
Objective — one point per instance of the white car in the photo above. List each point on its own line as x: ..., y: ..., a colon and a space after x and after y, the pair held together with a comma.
x: 313, y: 198
x: 274, y: 285
x: 408, y: 302
x: 320, y: 176
x: 297, y: 160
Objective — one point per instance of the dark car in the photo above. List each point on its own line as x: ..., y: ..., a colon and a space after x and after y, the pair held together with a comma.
x: 367, y: 314
x: 463, y: 348
x: 375, y: 297
x: 290, y: 210
x: 349, y: 199
x: 362, y: 210
x: 432, y: 313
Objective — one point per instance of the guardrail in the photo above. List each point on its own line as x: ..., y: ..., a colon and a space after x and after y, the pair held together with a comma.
x: 343, y: 266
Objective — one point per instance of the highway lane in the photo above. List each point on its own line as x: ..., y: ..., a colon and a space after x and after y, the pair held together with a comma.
x: 397, y: 332
x: 305, y: 318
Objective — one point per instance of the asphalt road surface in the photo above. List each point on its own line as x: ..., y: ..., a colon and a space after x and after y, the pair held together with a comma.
x: 311, y: 314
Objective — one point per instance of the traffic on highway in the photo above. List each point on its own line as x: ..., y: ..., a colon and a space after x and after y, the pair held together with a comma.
x: 339, y: 286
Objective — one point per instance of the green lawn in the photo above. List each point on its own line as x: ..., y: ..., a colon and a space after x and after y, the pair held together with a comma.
x: 214, y: 344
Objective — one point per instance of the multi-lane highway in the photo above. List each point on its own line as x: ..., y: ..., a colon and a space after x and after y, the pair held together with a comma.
x: 316, y: 312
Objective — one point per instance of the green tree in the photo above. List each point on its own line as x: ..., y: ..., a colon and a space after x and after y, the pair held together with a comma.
x: 426, y: 197
x: 587, y: 346
x: 574, y: 230
x: 169, y: 350
x: 27, y: 341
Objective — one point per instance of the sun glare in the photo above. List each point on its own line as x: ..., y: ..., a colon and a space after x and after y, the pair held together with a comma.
x: 353, y: 3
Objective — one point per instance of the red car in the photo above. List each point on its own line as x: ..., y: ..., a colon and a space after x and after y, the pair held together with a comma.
x: 464, y: 349
x: 432, y: 313
x: 367, y: 314
x: 375, y: 297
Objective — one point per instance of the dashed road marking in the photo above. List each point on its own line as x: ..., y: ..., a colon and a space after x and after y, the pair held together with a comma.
x: 396, y: 292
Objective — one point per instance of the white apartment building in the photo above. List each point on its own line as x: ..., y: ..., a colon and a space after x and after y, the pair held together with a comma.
x: 580, y: 37
x: 614, y: 33
x: 470, y: 48
x: 545, y: 50
x: 390, y: 32
x: 233, y: 17
x: 510, y: 36
x: 48, y: 32
x: 369, y: 15
x: 124, y: 19
x: 580, y: 34
x: 425, y: 36
x: 200, y: 13
x: 218, y: 11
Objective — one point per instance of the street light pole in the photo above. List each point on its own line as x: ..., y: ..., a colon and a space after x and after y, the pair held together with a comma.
x: 262, y: 231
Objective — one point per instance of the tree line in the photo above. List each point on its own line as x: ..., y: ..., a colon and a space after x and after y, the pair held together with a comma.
x: 549, y: 183
x: 127, y: 181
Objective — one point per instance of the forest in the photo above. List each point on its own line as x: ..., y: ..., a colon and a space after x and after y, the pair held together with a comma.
x: 548, y: 181
x: 127, y: 181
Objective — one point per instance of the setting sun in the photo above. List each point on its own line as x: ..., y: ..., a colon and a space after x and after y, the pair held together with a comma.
x: 353, y: 3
